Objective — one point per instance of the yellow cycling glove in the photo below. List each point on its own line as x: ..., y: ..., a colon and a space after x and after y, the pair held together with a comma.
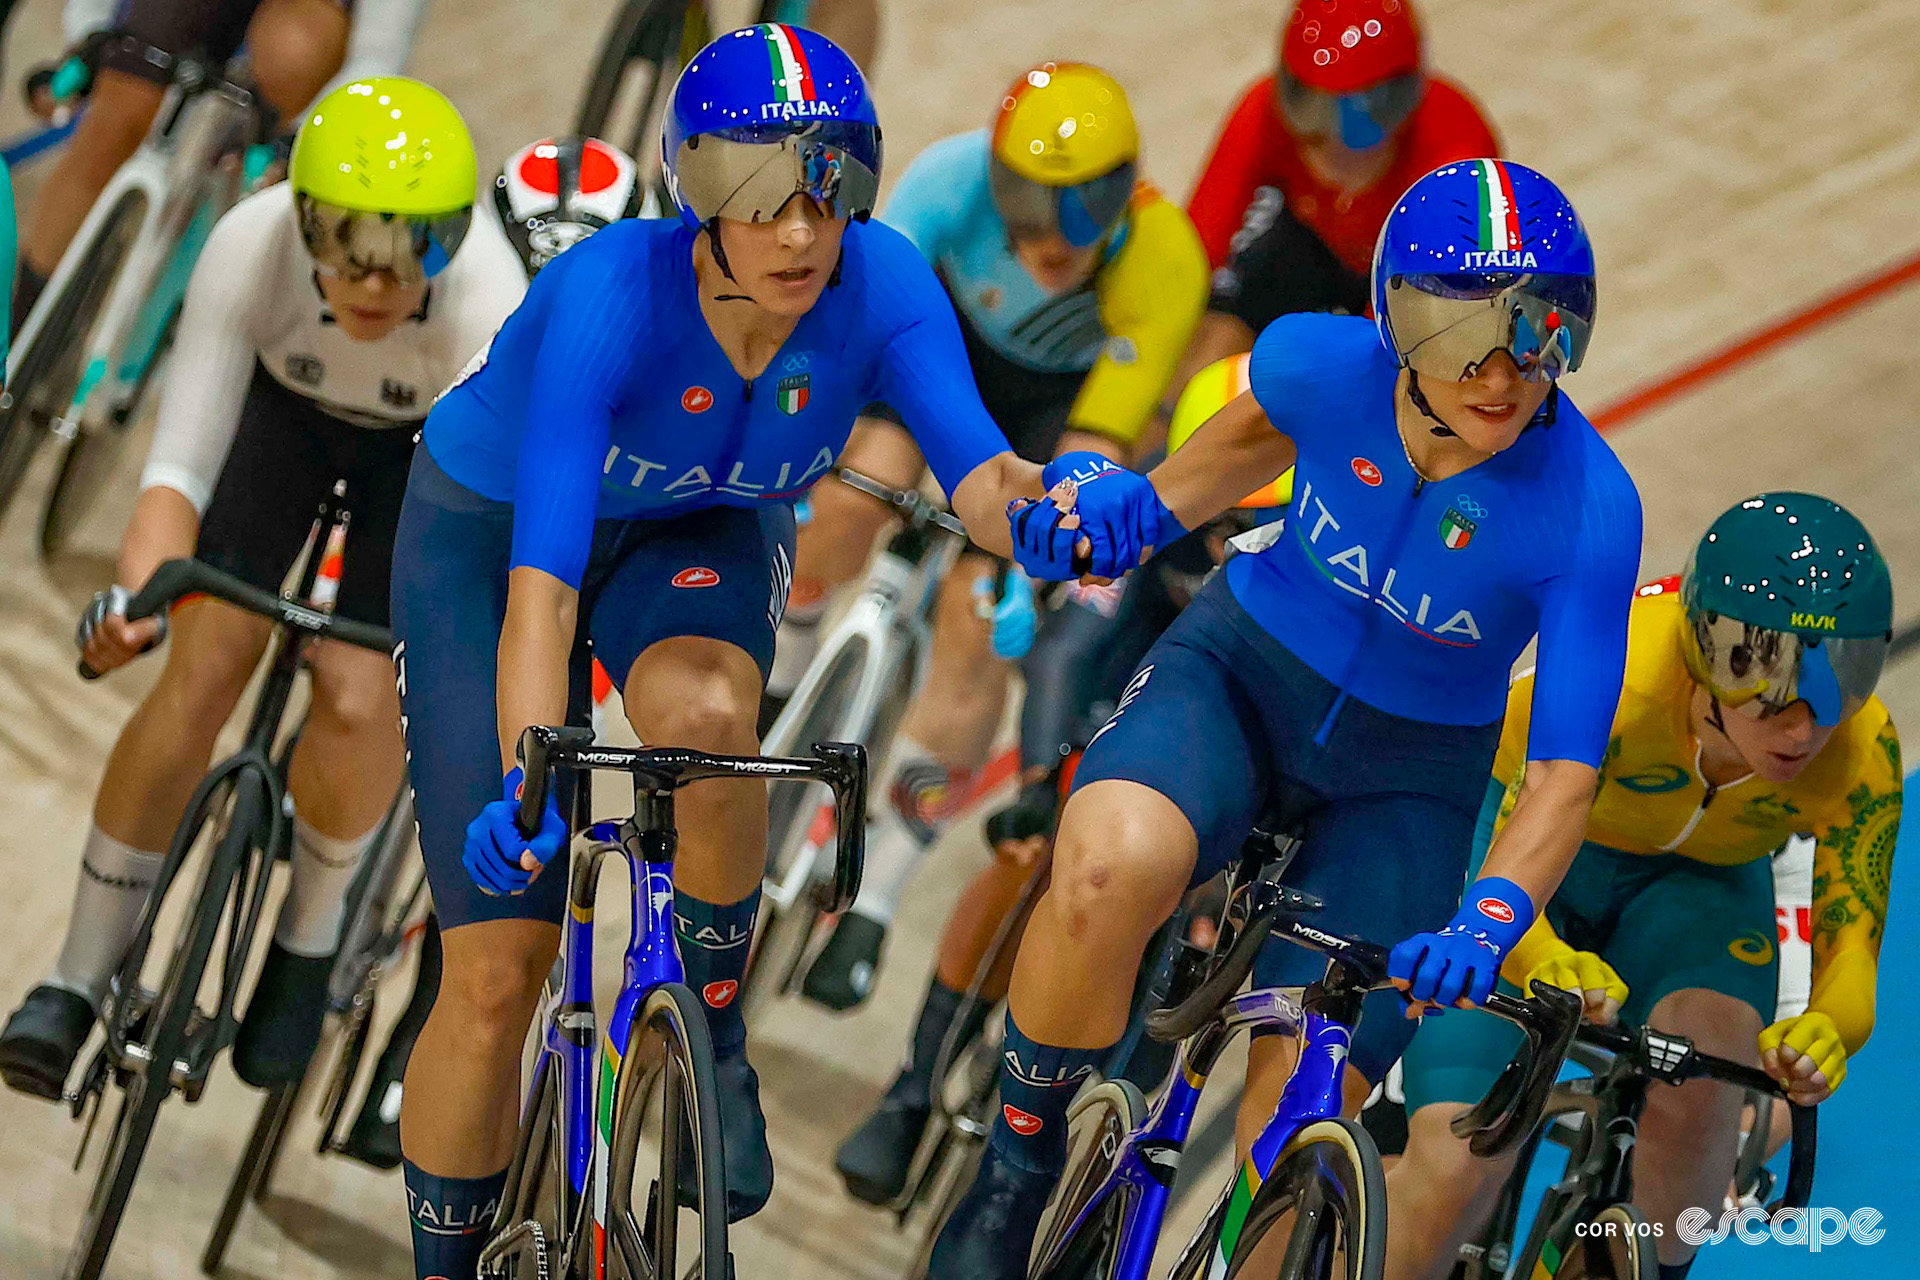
x: 1544, y: 956
x: 1805, y: 1054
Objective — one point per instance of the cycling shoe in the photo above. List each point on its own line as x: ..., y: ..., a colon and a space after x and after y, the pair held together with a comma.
x: 282, y: 1027
x: 841, y: 976
x: 743, y: 1140
x: 991, y: 1231
x: 41, y: 1040
x: 876, y: 1158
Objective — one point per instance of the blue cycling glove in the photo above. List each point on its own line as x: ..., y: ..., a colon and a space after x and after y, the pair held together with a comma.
x: 494, y: 842
x: 1463, y: 959
x: 1121, y: 516
x: 1014, y: 617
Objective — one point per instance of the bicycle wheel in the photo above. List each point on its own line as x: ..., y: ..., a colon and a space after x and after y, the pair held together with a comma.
x: 169, y: 1029
x: 666, y: 1111
x: 1076, y: 1236
x: 782, y: 933
x: 47, y: 371
x: 640, y: 58
x: 1611, y: 1243
x: 1328, y: 1196
x: 249, y: 1176
x: 957, y: 1160
x: 537, y: 1216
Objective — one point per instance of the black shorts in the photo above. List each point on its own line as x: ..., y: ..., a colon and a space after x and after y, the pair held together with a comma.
x: 287, y: 455
x: 155, y: 34
x: 1030, y: 405
x: 1283, y: 268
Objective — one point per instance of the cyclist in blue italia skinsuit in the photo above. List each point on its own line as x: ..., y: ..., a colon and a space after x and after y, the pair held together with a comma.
x: 1448, y: 505
x: 621, y: 462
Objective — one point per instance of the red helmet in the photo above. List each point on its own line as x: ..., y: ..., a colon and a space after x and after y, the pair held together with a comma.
x: 1344, y: 46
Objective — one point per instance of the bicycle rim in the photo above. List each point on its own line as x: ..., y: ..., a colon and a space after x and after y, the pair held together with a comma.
x: 1322, y: 1212
x: 173, y: 1011
x: 531, y: 1230
x: 666, y: 1112
x: 1077, y: 1232
x: 43, y: 385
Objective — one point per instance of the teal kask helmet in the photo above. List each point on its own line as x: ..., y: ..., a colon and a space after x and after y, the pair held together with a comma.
x: 1788, y: 599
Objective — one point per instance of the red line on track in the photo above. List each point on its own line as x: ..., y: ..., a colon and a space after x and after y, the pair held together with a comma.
x: 1712, y: 365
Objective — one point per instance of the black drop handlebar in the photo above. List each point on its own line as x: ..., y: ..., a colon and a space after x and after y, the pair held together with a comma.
x: 1673, y: 1059
x: 1549, y: 1017
x: 662, y: 770
x: 186, y: 577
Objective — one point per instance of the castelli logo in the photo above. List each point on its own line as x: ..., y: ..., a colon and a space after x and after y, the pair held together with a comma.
x: 696, y: 399
x: 720, y: 994
x: 697, y: 576
x: 1020, y: 1121
x: 1494, y: 909
x: 1368, y: 473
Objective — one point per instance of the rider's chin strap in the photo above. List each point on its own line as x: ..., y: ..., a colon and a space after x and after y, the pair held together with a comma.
x: 1715, y: 716
x: 1547, y: 414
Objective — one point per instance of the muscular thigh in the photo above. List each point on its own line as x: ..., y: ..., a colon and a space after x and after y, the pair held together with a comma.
x: 1698, y: 926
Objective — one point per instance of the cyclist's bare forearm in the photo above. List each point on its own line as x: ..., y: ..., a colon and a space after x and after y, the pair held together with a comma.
x: 535, y: 639
x: 165, y: 526
x: 1233, y: 453
x: 981, y: 499
x: 1545, y: 831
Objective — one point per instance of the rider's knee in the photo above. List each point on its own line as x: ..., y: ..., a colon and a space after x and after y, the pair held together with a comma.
x: 357, y: 699
x: 494, y: 987
x: 1116, y: 873
x: 695, y: 693
x: 296, y: 47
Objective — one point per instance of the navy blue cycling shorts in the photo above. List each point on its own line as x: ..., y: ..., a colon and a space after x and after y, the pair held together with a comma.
x: 718, y: 572
x: 1221, y: 719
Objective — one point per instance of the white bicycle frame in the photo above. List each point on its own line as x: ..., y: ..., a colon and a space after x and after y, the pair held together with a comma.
x: 891, y: 621
x: 171, y: 175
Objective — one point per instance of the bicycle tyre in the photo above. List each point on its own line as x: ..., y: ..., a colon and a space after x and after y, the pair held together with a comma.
x: 537, y: 1193
x: 669, y: 1043
x: 1328, y: 1188
x: 174, y: 1007
x: 249, y: 1176
x: 1076, y: 1235
x: 650, y: 32
x: 1621, y: 1248
x: 26, y: 411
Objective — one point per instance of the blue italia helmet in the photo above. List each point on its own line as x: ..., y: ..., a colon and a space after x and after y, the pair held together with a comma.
x: 1482, y: 256
x: 766, y: 113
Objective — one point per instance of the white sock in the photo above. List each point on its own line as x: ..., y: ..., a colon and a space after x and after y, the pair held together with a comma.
x: 795, y: 645
x: 311, y: 917
x: 115, y: 879
x: 918, y: 794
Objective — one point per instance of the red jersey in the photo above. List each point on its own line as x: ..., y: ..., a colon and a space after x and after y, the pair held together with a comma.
x: 1255, y: 150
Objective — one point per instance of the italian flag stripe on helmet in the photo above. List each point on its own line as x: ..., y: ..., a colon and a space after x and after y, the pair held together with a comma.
x: 1499, y: 218
x: 792, y: 78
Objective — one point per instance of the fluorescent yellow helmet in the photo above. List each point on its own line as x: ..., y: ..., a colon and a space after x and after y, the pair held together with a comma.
x: 1208, y: 392
x: 1066, y: 153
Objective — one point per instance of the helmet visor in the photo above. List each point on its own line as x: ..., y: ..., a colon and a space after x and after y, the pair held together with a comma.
x: 1083, y: 213
x: 750, y: 174
x: 1361, y: 120
x: 1447, y: 325
x: 1759, y: 671
x: 352, y: 244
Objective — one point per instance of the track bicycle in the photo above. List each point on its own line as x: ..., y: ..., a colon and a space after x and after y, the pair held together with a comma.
x: 621, y: 1127
x: 1312, y: 1181
x: 88, y: 353
x: 164, y: 1038
x: 384, y: 910
x: 856, y: 690
x: 1587, y: 1226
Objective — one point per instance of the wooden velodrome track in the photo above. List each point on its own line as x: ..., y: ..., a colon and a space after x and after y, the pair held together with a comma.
x: 1740, y: 162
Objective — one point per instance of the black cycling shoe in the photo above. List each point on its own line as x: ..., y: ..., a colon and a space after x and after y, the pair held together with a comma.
x: 743, y: 1140
x: 991, y: 1231
x: 42, y: 1039
x: 374, y: 1138
x: 841, y: 976
x: 282, y: 1027
x: 876, y: 1158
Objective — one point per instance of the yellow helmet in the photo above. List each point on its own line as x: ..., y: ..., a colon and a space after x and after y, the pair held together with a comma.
x: 1066, y: 153
x: 384, y: 175
x: 1208, y: 392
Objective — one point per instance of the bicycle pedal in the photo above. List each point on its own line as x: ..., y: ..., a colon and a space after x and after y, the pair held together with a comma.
x: 89, y: 1099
